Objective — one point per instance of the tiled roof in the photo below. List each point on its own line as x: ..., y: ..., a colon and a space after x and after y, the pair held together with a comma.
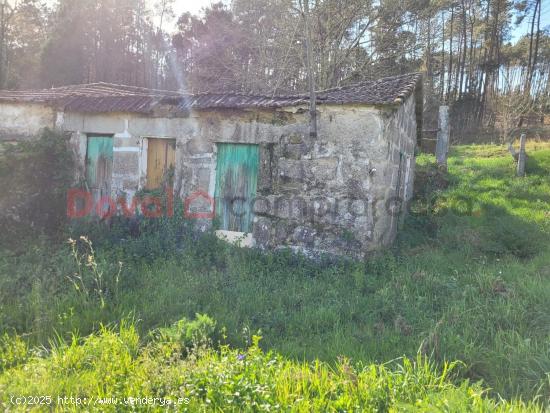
x: 92, y: 97
x: 387, y: 90
x: 105, y: 97
x: 235, y: 100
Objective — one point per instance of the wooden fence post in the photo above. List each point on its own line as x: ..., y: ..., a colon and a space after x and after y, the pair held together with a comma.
x: 521, y: 156
x: 442, y: 145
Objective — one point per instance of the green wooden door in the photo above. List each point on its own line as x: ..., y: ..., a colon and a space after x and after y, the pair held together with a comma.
x: 99, y: 166
x: 236, y: 180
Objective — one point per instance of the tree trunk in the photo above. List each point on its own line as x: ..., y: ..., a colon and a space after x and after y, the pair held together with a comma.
x: 464, y: 50
x: 442, y: 69
x: 450, y: 71
x: 530, y: 59
x: 536, y: 52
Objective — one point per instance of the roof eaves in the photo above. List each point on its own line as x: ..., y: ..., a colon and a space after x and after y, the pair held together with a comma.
x: 409, y: 88
x: 112, y: 97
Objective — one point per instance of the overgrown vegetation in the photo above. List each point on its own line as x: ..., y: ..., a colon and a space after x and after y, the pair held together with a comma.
x: 35, y: 176
x: 165, y: 373
x: 468, y: 280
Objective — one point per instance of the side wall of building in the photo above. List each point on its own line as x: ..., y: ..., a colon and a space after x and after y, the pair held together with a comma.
x: 401, y: 132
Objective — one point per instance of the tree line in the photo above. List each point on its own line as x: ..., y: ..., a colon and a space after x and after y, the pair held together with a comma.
x: 463, y: 47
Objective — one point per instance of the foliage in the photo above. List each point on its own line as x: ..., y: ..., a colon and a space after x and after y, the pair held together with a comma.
x: 13, y: 351
x: 110, y: 40
x: 38, y: 174
x: 187, y: 334
x: 467, y: 280
x: 469, y: 51
x: 89, y: 280
x: 107, y: 369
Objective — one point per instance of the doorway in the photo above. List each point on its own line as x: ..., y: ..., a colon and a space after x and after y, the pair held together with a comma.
x: 99, y: 165
x: 236, y: 181
x: 161, y: 160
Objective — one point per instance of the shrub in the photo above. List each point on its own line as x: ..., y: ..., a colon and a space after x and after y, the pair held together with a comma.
x: 189, y: 333
x: 38, y: 174
x: 13, y: 351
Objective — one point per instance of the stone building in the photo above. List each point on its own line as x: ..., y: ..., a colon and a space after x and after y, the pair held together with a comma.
x: 251, y: 157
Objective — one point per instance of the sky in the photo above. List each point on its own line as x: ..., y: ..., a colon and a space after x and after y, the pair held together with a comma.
x: 192, y: 6
x: 524, y: 27
x: 182, y: 6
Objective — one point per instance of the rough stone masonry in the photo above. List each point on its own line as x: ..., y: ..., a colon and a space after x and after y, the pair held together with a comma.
x: 343, y: 192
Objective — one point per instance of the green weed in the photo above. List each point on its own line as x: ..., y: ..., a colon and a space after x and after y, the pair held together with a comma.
x: 103, y: 371
x: 468, y: 279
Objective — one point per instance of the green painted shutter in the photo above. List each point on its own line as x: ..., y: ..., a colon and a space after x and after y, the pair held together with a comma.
x: 99, y: 165
x: 236, y: 181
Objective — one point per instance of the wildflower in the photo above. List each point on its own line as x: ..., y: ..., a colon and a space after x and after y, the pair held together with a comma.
x: 240, y: 357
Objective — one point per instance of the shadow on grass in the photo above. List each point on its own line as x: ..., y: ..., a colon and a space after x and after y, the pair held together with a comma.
x: 476, y: 217
x: 534, y: 167
x: 489, y: 230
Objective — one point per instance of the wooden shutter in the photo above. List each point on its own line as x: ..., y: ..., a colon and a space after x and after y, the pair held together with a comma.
x: 236, y: 181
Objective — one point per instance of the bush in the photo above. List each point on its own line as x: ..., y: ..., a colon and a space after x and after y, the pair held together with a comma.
x: 13, y: 351
x: 139, y: 238
x: 189, y: 333
x: 38, y: 174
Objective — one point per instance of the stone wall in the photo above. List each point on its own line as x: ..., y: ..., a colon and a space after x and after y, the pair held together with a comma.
x: 330, y: 194
x: 401, y: 135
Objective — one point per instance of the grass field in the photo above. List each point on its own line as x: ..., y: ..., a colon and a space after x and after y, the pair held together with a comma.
x: 468, y: 280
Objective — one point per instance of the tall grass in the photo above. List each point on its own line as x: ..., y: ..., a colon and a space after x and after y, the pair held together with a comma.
x: 112, y: 371
x: 469, y: 280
